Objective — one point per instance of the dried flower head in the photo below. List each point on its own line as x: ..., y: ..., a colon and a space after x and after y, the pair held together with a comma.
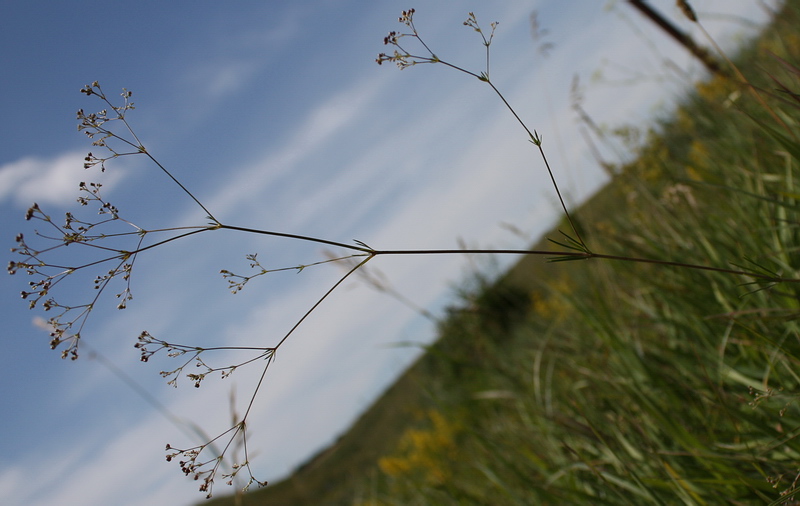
x: 206, y: 470
x: 400, y: 56
x: 407, y: 17
x: 687, y: 10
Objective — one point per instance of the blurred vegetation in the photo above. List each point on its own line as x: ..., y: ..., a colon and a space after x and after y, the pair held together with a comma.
x: 608, y: 382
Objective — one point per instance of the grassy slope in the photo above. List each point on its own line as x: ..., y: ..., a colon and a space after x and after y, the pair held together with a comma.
x: 607, y: 382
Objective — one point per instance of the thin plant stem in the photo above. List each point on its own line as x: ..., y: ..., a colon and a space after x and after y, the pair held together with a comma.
x: 536, y: 140
x: 580, y: 255
x: 295, y: 236
x: 406, y: 59
x: 182, y: 187
x: 300, y: 321
x: 138, y: 145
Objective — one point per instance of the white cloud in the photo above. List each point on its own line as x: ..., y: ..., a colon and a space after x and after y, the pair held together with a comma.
x: 46, y: 180
x: 226, y: 78
x: 10, y: 478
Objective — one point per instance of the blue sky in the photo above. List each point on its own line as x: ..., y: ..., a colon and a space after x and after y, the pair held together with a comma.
x: 276, y: 117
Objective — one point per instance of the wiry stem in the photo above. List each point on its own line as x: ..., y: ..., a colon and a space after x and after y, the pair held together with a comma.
x: 94, y: 126
x: 537, y: 141
x: 295, y: 236
x: 580, y: 255
x: 405, y: 59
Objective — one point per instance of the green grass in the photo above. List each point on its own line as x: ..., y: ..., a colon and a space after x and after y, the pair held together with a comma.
x: 609, y: 382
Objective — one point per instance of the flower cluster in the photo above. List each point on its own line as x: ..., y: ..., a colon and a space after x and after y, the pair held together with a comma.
x: 472, y: 22
x: 208, y: 469
x: 400, y: 56
x: 197, y: 470
x: 105, y: 249
x: 70, y: 319
x: 404, y: 59
x: 109, y: 239
x: 95, y: 126
x: 236, y: 282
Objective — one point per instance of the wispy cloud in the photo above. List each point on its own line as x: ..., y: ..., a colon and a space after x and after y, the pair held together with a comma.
x: 321, y: 124
x: 85, y: 476
x: 46, y: 180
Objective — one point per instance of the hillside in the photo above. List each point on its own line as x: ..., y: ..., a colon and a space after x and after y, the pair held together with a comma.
x: 611, y: 381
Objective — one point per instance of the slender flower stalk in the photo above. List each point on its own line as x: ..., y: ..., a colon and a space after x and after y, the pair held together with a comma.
x: 404, y: 59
